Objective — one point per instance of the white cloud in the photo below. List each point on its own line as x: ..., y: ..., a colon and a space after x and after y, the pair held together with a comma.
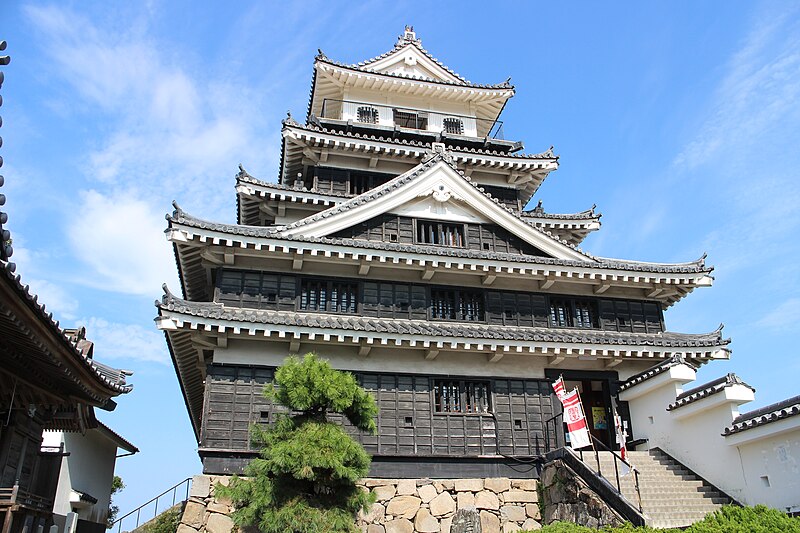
x: 121, y: 238
x: 55, y: 298
x: 784, y: 318
x: 758, y: 95
x: 114, y: 341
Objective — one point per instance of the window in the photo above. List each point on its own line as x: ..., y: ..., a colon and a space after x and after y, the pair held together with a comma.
x: 567, y: 313
x: 410, y: 119
x: 256, y: 289
x: 450, y: 304
x: 458, y: 396
x: 442, y: 233
x: 328, y: 296
x: 453, y: 125
x: 368, y: 115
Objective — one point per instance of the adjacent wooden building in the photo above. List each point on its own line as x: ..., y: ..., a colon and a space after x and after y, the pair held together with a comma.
x: 396, y: 243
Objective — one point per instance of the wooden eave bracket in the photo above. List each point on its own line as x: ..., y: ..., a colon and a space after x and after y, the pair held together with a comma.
x: 428, y: 274
x: 364, y: 349
x: 600, y: 289
x: 496, y: 356
x: 297, y: 262
x: 363, y: 268
x: 294, y: 346
x: 548, y: 282
x: 431, y: 354
x: 611, y: 363
x: 488, y: 279
x: 556, y: 359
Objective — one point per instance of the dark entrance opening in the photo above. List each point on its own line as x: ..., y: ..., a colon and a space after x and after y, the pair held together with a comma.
x: 595, y: 392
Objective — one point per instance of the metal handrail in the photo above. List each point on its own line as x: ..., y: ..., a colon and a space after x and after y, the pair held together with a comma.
x: 617, y: 457
x: 334, y: 109
x: 138, y: 510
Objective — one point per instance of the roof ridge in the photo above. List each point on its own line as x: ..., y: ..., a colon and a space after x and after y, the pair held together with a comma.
x: 55, y: 327
x: 547, y: 154
x: 506, y: 85
x: 707, y: 389
x: 216, y: 310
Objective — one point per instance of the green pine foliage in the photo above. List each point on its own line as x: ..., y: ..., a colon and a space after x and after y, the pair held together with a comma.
x: 728, y: 519
x: 304, y: 480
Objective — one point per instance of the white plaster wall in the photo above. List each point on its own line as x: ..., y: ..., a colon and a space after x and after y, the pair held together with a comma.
x: 404, y: 360
x: 693, y: 435
x: 88, y: 468
x: 776, y: 456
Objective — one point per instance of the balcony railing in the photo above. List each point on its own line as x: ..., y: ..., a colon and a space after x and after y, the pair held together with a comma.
x: 11, y: 496
x: 411, y: 118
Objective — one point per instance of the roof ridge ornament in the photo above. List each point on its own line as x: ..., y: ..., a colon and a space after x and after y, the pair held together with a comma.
x: 289, y: 120
x: 438, y: 150
x: 408, y: 36
x: 242, y: 173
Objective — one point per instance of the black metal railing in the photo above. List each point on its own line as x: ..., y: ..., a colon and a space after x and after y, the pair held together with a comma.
x: 557, y: 431
x: 367, y: 113
x: 173, y: 491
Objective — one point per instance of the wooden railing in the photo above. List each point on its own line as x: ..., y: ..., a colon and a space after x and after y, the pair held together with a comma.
x: 10, y: 496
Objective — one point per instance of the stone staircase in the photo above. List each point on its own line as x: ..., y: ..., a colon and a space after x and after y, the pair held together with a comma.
x: 672, y: 495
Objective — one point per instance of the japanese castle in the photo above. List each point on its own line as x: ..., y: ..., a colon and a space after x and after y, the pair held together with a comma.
x: 397, y: 244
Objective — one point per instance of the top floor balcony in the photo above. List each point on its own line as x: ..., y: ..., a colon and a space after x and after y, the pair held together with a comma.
x: 389, y: 117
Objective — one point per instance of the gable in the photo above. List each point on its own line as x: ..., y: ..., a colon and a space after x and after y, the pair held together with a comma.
x: 409, y: 61
x: 415, y: 192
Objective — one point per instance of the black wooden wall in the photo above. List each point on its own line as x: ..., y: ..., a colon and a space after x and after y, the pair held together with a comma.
x: 407, y: 424
x: 395, y: 228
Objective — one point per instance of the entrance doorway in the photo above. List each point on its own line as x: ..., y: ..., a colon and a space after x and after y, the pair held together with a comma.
x: 595, y: 392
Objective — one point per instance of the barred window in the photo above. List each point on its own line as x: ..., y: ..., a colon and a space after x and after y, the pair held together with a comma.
x: 453, y: 125
x: 368, y: 115
x: 441, y: 233
x: 256, y: 289
x: 328, y: 296
x: 410, y: 119
x: 458, y: 396
x: 568, y: 313
x: 450, y: 304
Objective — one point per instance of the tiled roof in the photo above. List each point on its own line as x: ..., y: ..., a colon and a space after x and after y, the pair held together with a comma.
x: 273, y: 232
x: 766, y: 415
x: 322, y: 58
x: 119, y: 439
x: 538, y: 212
x: 218, y: 311
x: 659, y: 368
x: 459, y: 150
x: 712, y: 387
x: 402, y: 42
x: 403, y: 179
x: 111, y: 379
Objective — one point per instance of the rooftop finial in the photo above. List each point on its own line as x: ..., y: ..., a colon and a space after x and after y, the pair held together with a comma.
x: 409, y: 36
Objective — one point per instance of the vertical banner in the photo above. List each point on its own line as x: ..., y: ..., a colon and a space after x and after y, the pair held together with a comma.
x: 622, y: 436
x: 558, y: 387
x: 576, y: 420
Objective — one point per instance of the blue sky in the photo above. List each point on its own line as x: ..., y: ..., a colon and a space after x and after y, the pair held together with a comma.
x: 680, y: 120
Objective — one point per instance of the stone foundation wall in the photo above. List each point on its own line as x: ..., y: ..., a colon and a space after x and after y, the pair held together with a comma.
x: 566, y: 498
x: 500, y: 505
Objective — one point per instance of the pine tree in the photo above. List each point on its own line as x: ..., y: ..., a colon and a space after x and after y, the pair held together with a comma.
x: 304, y: 480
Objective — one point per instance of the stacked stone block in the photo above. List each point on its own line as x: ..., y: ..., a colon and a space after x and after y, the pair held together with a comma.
x: 503, y: 505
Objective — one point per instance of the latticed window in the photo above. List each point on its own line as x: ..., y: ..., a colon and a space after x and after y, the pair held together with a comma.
x: 453, y: 125
x: 368, y: 115
x: 410, y: 119
x: 450, y: 304
x: 567, y: 313
x: 328, y: 296
x: 458, y: 396
x: 440, y: 233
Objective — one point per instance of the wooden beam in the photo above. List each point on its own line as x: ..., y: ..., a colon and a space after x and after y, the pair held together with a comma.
x: 431, y: 354
x: 364, y: 349
x: 655, y: 292
x: 323, y: 155
x: 600, y: 289
x: 229, y: 257
x: 495, y: 357
x: 428, y: 274
x: 310, y: 154
x: 373, y: 162
x: 555, y: 360
x: 547, y: 283
x: 488, y: 279
x: 363, y: 268
x: 294, y: 346
x: 297, y: 262
x: 210, y: 257
x: 265, y: 208
x: 611, y: 363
